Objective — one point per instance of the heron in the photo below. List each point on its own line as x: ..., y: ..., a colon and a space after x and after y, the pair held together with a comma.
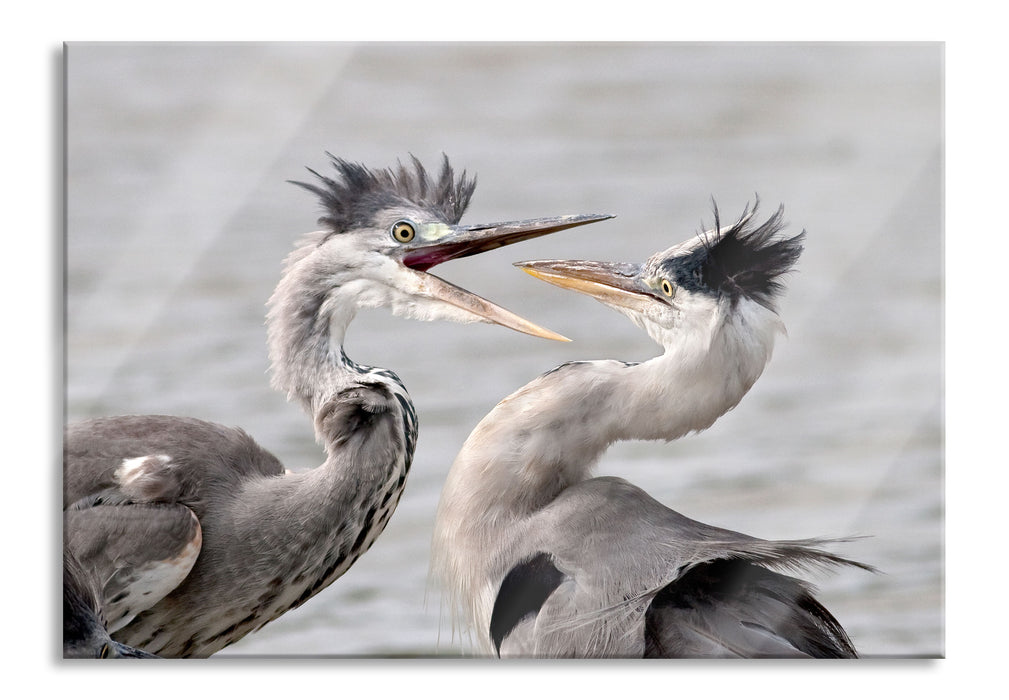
x: 85, y: 635
x: 197, y: 534
x: 540, y: 558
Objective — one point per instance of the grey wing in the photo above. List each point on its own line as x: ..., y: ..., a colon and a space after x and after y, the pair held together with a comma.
x: 137, y: 553
x: 615, y: 573
x: 571, y: 589
x: 99, y: 453
x: 135, y: 488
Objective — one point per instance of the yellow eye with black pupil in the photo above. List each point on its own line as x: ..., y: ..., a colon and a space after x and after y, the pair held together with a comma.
x: 666, y: 287
x: 403, y: 231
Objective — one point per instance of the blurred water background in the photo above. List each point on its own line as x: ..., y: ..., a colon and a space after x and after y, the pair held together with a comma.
x: 179, y: 216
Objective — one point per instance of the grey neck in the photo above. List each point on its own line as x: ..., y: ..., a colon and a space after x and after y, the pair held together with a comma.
x: 307, y: 320
x: 551, y: 433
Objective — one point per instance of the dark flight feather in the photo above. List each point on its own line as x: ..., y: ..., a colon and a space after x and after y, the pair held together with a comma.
x: 523, y: 592
x: 734, y: 608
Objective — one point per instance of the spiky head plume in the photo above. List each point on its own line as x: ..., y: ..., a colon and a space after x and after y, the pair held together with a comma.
x: 358, y: 193
x: 741, y: 261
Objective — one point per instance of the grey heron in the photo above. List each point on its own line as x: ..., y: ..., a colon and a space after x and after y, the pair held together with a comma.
x: 198, y: 535
x: 85, y: 635
x: 542, y: 559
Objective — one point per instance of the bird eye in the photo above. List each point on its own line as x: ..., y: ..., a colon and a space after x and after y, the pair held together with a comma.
x: 403, y: 231
x: 103, y: 653
x: 667, y: 287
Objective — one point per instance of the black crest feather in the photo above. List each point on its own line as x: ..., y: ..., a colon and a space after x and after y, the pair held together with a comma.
x: 352, y: 198
x: 745, y: 261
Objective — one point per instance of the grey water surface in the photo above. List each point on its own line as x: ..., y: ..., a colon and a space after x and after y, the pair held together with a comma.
x: 179, y: 216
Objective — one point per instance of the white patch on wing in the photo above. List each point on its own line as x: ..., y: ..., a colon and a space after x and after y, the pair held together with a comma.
x: 147, y: 478
x: 137, y: 467
x: 153, y: 581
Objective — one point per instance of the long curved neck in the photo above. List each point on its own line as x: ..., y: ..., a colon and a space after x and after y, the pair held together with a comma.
x: 551, y: 433
x: 307, y: 320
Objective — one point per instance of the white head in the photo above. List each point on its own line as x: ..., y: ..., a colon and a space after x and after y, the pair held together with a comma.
x: 709, y: 300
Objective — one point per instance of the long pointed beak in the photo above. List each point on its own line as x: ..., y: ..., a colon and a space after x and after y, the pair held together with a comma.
x: 617, y: 284
x: 462, y: 241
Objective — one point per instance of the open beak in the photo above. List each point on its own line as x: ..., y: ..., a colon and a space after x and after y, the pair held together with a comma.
x: 462, y: 241
x: 616, y: 284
